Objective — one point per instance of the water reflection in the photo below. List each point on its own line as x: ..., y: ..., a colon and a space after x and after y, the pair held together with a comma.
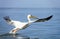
x: 12, y: 36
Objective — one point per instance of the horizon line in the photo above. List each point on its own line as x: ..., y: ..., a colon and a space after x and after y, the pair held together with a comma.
x: 22, y: 7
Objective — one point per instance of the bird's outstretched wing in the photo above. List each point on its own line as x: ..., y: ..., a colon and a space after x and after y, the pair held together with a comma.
x: 7, y: 18
x: 44, y: 19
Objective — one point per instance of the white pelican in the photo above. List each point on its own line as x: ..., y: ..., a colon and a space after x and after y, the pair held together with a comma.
x: 22, y: 25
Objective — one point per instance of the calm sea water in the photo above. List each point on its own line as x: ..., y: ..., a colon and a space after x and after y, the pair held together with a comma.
x: 42, y: 30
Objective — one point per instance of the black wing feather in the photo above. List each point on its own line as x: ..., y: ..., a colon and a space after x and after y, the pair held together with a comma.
x: 7, y: 18
x: 44, y: 19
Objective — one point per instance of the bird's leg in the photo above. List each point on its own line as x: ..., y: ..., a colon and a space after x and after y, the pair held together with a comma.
x: 14, y: 31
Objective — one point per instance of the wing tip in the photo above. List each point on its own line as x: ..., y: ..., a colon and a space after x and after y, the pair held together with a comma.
x: 7, y: 18
x: 48, y: 18
x: 44, y: 19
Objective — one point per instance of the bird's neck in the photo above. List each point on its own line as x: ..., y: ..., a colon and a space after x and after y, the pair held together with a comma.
x: 29, y: 20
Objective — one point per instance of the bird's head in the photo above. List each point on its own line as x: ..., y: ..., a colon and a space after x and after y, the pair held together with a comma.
x: 30, y: 16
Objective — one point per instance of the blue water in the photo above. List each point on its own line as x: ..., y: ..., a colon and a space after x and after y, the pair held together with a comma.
x: 42, y: 30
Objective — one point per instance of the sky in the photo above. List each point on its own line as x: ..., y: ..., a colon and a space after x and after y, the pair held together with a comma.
x: 30, y: 3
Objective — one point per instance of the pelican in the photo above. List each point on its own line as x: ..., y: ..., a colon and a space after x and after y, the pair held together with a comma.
x: 22, y: 25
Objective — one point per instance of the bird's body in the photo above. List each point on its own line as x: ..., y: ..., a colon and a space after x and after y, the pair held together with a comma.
x: 22, y: 25
x: 18, y: 24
